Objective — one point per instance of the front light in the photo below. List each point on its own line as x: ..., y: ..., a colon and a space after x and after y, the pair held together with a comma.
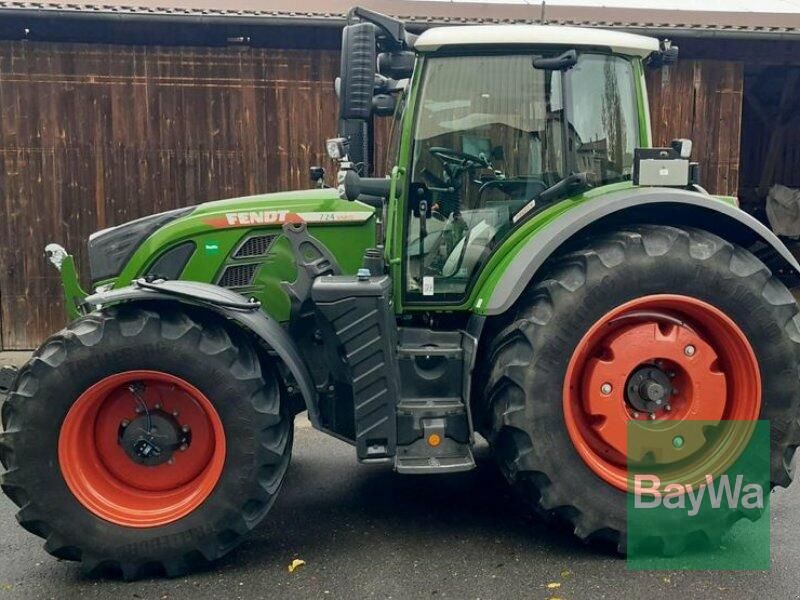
x: 337, y: 148
x: 111, y: 248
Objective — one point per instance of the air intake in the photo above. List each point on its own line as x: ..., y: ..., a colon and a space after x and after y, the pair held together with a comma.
x: 257, y: 245
x: 236, y: 276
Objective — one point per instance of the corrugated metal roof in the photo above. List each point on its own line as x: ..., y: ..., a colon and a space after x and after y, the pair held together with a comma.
x: 711, y: 23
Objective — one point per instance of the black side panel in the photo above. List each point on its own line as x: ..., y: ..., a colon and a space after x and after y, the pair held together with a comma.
x: 356, y: 313
x: 170, y: 265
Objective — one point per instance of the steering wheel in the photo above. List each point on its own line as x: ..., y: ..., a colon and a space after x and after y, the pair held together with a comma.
x: 455, y: 157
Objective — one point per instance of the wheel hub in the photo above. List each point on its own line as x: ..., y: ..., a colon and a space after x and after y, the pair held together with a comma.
x: 648, y: 389
x: 152, y: 438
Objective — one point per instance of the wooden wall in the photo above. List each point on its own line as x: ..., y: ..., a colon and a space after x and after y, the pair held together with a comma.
x: 701, y: 100
x: 94, y: 135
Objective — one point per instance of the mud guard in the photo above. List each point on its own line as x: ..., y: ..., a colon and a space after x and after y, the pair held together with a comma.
x: 545, y: 243
x: 232, y: 306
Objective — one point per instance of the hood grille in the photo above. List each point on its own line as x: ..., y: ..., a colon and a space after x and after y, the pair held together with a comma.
x: 257, y: 245
x: 236, y: 276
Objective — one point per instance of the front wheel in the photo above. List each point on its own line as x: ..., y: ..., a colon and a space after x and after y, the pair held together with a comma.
x: 656, y: 324
x: 144, y: 441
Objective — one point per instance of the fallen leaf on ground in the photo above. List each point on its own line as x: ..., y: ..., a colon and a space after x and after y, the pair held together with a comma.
x: 297, y: 562
x: 553, y: 585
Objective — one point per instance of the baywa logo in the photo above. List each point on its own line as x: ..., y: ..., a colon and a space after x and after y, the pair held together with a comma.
x: 721, y: 493
x: 698, y: 495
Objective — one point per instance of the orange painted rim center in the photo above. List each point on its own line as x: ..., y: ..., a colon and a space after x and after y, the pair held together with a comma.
x: 710, y: 368
x: 108, y: 481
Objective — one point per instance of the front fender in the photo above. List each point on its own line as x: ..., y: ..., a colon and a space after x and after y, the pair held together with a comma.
x: 661, y: 205
x: 232, y: 306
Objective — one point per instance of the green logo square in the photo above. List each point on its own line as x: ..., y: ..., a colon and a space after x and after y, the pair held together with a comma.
x: 698, y: 495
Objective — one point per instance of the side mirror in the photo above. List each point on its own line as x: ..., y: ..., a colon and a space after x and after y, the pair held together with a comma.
x: 357, y: 71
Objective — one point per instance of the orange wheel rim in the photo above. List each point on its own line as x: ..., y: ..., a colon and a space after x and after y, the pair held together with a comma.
x: 141, y: 448
x: 690, y: 350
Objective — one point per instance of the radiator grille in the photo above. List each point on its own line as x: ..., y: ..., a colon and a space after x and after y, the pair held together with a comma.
x: 257, y: 245
x: 238, y: 276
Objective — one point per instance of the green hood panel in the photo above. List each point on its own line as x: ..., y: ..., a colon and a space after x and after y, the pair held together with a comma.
x: 218, y: 228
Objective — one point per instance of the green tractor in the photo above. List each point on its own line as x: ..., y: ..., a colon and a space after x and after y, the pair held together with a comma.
x: 532, y: 271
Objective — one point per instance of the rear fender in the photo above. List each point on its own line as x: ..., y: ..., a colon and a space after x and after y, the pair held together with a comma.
x: 234, y: 307
x: 641, y: 205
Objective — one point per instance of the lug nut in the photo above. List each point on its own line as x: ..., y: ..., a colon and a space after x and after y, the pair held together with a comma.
x: 606, y: 388
x: 175, y: 413
x: 158, y: 407
x: 689, y: 350
x: 183, y: 447
x: 667, y: 407
x: 125, y: 422
x: 635, y: 415
x: 652, y: 416
x: 185, y: 429
x: 171, y: 461
x: 675, y: 391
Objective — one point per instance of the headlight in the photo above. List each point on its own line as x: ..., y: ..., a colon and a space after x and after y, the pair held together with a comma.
x: 111, y: 248
x: 337, y: 148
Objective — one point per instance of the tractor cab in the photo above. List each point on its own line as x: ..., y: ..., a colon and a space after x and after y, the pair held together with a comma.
x: 492, y: 126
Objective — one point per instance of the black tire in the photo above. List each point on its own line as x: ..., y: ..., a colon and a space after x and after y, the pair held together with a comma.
x: 221, y: 363
x: 527, y: 360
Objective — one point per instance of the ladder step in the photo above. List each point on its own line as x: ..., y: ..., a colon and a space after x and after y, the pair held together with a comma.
x: 452, y: 463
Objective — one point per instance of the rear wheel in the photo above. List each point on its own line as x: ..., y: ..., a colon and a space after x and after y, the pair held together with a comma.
x: 653, y: 323
x: 143, y: 441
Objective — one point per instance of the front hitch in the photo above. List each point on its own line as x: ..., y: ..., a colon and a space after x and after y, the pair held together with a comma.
x: 74, y: 296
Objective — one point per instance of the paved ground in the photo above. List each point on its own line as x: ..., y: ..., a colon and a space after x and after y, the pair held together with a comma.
x: 366, y: 532
x: 13, y: 358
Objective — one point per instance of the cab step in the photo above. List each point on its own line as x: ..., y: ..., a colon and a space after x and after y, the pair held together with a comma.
x: 433, y: 427
x: 409, y: 463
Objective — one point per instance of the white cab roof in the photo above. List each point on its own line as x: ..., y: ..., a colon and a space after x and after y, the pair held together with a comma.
x: 470, y: 35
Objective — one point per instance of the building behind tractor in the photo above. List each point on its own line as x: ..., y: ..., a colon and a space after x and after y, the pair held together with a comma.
x: 533, y: 271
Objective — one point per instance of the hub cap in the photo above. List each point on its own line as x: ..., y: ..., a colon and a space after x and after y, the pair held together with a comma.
x: 661, y: 357
x: 141, y: 448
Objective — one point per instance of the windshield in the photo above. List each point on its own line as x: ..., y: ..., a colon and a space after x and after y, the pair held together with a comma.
x: 490, y: 137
